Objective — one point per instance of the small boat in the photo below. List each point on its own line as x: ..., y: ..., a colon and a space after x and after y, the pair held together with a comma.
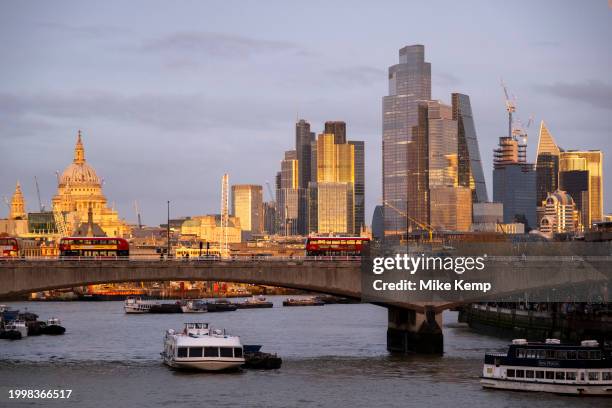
x: 164, y: 308
x: 311, y: 301
x: 221, y: 305
x: 10, y: 334
x: 194, y: 306
x: 584, y: 369
x: 53, y: 327
x: 256, y: 302
x: 199, y: 347
x: 135, y: 305
x: 258, y: 360
x: 18, y: 326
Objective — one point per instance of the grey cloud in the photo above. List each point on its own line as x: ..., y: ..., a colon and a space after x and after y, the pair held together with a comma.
x: 593, y: 92
x: 361, y: 75
x: 217, y: 44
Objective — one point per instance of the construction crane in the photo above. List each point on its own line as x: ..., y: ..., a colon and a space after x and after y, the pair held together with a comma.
x: 40, y: 205
x: 137, y: 214
x: 510, y: 107
x: 426, y: 227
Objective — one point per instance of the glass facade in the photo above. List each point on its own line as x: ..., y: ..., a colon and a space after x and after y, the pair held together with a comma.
x: 288, y: 195
x: 547, y: 165
x: 359, y: 188
x: 576, y: 184
x: 591, y: 161
x: 470, y: 165
x: 514, y: 185
x: 409, y: 82
x: 303, y: 141
x: 338, y: 129
x: 247, y: 205
x: 335, y: 208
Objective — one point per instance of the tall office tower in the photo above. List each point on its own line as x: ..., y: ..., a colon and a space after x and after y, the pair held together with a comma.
x: 270, y: 218
x: 287, y: 195
x: 359, y: 188
x: 331, y: 194
x: 247, y: 204
x: 470, y: 165
x: 378, y: 230
x: 547, y: 165
x: 303, y: 147
x: 338, y: 129
x: 591, y: 161
x: 576, y: 184
x: 507, y: 152
x: 409, y: 82
x: 449, y: 205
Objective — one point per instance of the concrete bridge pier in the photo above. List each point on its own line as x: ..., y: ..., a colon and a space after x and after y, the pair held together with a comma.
x: 413, y: 331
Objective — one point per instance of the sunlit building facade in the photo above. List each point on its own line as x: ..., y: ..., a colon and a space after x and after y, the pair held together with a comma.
x: 591, y: 161
x: 79, y: 190
x: 547, y: 165
x: 560, y: 215
x: 247, y: 205
x: 409, y: 83
x: 288, y: 195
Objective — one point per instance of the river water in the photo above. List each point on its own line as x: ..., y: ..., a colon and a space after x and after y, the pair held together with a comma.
x: 333, y: 355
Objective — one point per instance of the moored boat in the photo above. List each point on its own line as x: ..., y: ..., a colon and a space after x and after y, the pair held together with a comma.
x: 135, y: 305
x: 199, y: 347
x: 584, y: 369
x: 17, y: 326
x: 311, y: 301
x: 256, y: 302
x: 194, y: 306
x: 221, y: 305
x: 53, y: 327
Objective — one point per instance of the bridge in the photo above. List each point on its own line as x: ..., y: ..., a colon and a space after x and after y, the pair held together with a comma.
x: 412, y: 326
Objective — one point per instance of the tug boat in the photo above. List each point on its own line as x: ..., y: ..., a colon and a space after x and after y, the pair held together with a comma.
x: 54, y: 327
x: 584, y: 369
x: 17, y: 326
x: 135, y: 305
x: 199, y: 347
x: 256, y: 302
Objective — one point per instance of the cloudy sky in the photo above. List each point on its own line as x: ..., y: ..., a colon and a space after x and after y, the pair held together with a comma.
x: 170, y: 95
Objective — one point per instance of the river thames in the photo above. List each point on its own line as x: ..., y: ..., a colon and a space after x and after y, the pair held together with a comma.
x: 333, y: 355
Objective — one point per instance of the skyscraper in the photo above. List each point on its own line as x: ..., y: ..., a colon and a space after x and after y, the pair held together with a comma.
x: 547, y: 165
x: 591, y: 161
x: 338, y: 129
x: 409, y: 82
x: 359, y: 188
x: 470, y: 166
x: 576, y: 184
x: 247, y: 204
x: 287, y: 194
x: 303, y: 147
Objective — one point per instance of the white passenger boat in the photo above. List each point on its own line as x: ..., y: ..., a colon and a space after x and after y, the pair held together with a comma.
x: 18, y: 326
x: 200, y: 347
x: 584, y: 369
x: 137, y: 305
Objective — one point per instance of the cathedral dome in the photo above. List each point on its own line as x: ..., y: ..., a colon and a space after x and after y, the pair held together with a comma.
x: 79, y: 172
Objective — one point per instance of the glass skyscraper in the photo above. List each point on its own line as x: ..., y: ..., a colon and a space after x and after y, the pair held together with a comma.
x: 409, y: 83
x: 547, y: 165
x: 303, y: 142
x: 591, y: 161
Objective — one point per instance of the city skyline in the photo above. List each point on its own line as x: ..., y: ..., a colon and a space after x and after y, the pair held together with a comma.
x: 134, y: 126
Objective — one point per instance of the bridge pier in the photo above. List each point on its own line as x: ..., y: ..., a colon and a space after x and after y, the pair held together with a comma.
x: 416, y: 332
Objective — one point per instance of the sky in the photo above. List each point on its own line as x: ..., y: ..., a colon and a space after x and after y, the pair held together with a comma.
x: 171, y: 95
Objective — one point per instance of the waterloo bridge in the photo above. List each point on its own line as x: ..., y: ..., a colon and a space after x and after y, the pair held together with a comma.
x: 412, y: 326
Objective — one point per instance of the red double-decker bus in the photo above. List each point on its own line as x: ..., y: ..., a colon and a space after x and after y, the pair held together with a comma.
x: 9, y: 247
x: 94, y: 247
x: 335, y: 246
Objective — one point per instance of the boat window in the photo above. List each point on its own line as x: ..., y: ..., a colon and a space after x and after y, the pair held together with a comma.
x: 529, y: 374
x: 606, y: 375
x: 550, y: 375
x: 531, y: 353
x: 594, y: 376
x: 541, y: 354
x: 195, y: 351
x: 571, y: 354
x: 539, y: 374
x: 227, y: 352
x: 520, y: 353
x: 550, y: 354
x: 520, y: 373
x: 559, y: 375
x: 561, y: 355
x: 181, y: 352
x: 238, y: 352
x: 583, y: 355
x: 595, y: 355
x: 570, y: 375
x: 211, y: 352
x: 510, y: 373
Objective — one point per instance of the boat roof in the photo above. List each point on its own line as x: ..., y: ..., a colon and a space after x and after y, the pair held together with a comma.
x: 183, y: 340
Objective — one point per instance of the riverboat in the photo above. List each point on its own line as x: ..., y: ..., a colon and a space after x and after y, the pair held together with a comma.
x: 584, y: 369
x: 256, y: 302
x: 200, y: 347
x: 312, y: 301
x: 134, y: 305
